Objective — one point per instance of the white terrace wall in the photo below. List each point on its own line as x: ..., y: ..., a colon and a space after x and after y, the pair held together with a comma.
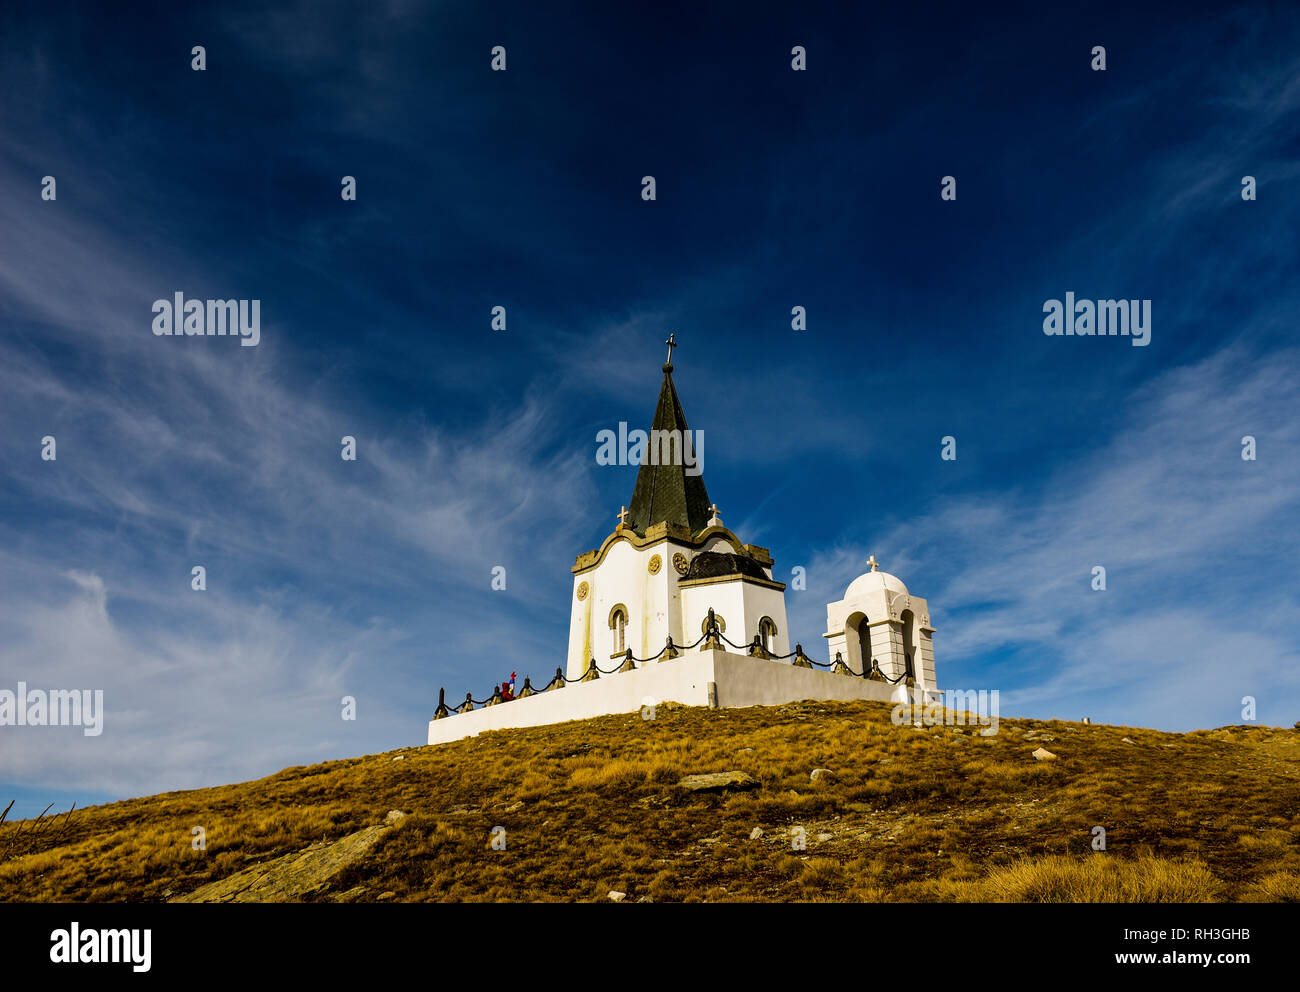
x: 745, y: 681
x: 737, y: 680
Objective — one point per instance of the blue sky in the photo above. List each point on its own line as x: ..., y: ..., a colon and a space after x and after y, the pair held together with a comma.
x: 477, y: 448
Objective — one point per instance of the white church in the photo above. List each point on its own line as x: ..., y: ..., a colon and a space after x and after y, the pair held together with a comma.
x: 673, y: 606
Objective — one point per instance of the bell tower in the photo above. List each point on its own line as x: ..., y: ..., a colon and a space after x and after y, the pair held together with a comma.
x: 880, y: 621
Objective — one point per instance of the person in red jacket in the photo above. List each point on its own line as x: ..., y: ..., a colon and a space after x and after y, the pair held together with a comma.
x: 506, y: 694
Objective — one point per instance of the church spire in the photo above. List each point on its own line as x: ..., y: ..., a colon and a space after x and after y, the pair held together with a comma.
x: 667, y: 492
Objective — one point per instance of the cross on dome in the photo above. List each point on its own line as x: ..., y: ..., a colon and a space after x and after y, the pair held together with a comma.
x: 873, y: 563
x: 622, y: 516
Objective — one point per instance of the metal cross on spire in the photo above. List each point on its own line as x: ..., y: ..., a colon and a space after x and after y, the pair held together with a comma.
x: 622, y: 515
x: 672, y: 343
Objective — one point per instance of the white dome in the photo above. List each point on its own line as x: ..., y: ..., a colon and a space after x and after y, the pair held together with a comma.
x: 874, y: 581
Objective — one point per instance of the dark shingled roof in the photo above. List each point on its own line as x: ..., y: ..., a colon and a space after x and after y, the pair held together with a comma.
x: 666, y: 492
x: 716, y: 564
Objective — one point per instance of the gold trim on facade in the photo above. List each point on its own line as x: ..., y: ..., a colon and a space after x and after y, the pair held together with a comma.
x: 665, y: 532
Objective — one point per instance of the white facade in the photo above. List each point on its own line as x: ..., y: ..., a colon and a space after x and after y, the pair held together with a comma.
x: 642, y: 580
x: 877, y: 612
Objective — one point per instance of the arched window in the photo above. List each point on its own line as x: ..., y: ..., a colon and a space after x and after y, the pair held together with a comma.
x: 767, y: 634
x: 864, y: 644
x: 618, y: 624
x: 909, y: 642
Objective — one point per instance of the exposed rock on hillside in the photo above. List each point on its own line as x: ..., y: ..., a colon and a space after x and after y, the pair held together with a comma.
x: 292, y: 876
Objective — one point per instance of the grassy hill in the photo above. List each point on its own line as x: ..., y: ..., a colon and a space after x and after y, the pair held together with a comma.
x: 591, y: 807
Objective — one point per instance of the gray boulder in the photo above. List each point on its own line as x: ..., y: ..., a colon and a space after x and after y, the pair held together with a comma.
x: 718, y: 780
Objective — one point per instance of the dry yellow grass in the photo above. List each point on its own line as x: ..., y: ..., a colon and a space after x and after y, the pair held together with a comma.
x: 588, y: 807
x: 1279, y: 886
x: 1095, y: 877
